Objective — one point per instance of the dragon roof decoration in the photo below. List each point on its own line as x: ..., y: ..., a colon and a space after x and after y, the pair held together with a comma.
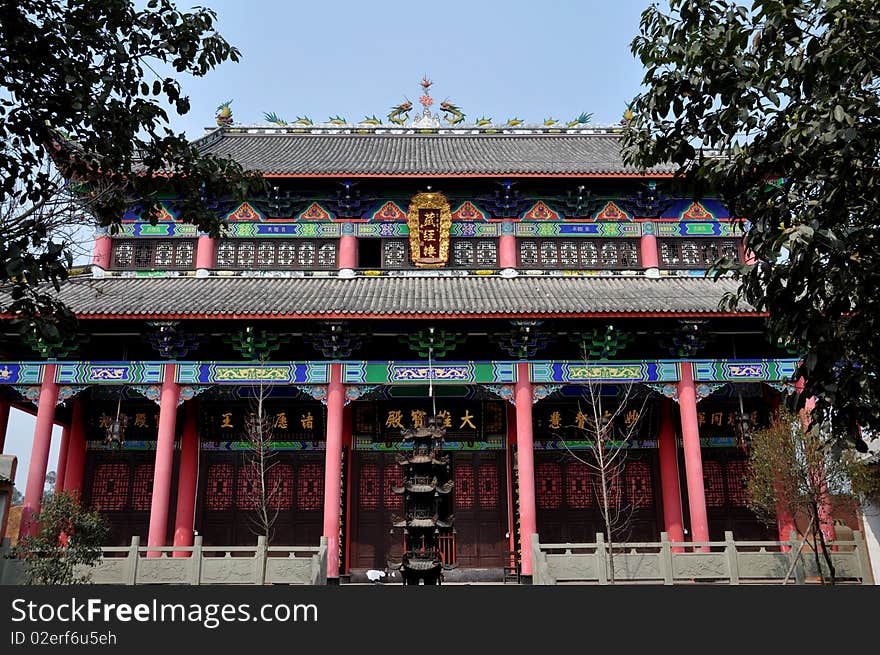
x: 449, y: 119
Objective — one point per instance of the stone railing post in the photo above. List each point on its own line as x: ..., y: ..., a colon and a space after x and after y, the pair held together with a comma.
x: 861, y: 554
x: 799, y: 575
x: 133, y: 560
x: 666, y: 558
x: 260, y: 560
x: 196, y: 558
x: 601, y: 559
x: 732, y: 562
x: 319, y: 564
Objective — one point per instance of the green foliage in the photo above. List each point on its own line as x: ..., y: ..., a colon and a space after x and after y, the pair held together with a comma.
x: 789, y: 92
x: 79, y: 94
x: 69, y: 537
x: 865, y: 476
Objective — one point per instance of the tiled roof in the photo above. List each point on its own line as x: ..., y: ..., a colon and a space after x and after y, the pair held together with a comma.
x: 278, y: 152
x: 393, y: 296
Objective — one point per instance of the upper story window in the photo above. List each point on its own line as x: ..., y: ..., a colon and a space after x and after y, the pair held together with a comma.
x: 696, y: 253
x: 579, y: 253
x: 288, y: 254
x: 463, y: 253
x: 153, y: 254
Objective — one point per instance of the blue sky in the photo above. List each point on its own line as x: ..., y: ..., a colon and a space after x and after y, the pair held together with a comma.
x: 529, y: 60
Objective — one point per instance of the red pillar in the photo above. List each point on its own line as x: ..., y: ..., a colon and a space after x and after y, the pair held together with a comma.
x: 61, y: 469
x: 101, y: 253
x: 333, y: 468
x: 347, y: 442
x: 507, y: 247
x: 693, y: 461
x: 511, y: 439
x: 525, y: 455
x: 188, y: 478
x: 669, y: 480
x: 164, y: 461
x: 76, y: 450
x: 206, y: 249
x: 649, y: 252
x: 36, y: 480
x: 348, y: 255
x: 5, y: 406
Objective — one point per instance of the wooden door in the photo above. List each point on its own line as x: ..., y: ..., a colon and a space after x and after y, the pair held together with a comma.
x: 373, y: 504
x: 227, y: 509
x: 480, y: 503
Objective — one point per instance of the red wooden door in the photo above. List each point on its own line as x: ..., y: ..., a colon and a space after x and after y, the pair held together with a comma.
x: 480, y: 508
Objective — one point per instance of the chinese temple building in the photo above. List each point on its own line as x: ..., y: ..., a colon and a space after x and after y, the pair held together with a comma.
x: 500, y: 276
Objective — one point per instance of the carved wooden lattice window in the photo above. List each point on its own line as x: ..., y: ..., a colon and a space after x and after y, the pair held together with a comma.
x: 310, y: 487
x: 395, y: 254
x: 578, y: 486
x: 639, y: 485
x: 218, y: 491
x: 548, y: 485
x: 696, y: 253
x: 713, y: 483
x: 393, y: 478
x: 473, y: 253
x: 110, y: 483
x: 142, y: 488
x: 488, y: 478
x: 279, y: 481
x: 247, y: 492
x: 464, y: 487
x: 149, y: 254
x: 293, y: 254
x: 463, y: 253
x: 736, y: 473
x: 579, y: 253
x: 369, y: 488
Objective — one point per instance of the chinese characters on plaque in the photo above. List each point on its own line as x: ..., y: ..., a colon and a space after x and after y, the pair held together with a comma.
x: 429, y: 221
x: 462, y: 420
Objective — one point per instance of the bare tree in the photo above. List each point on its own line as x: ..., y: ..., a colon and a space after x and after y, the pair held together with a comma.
x: 41, y: 244
x: 608, y: 428
x: 795, y: 470
x: 260, y: 465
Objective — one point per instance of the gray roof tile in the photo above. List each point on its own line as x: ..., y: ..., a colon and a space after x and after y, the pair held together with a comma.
x: 276, y: 152
x: 393, y: 295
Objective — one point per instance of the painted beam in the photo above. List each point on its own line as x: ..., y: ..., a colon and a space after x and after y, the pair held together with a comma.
x: 401, y: 372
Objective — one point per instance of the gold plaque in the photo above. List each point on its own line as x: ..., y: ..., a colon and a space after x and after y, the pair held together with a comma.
x: 429, y: 220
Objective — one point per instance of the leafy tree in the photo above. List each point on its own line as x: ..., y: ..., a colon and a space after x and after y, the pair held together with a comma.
x: 69, y: 537
x: 776, y: 107
x: 80, y: 96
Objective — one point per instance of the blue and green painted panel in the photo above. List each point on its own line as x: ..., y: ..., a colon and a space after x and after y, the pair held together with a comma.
x: 742, y: 370
x: 110, y: 373
x: 21, y: 373
x: 419, y: 372
x: 575, y: 372
x: 698, y: 229
x: 322, y: 230
x: 142, y: 229
x: 267, y: 373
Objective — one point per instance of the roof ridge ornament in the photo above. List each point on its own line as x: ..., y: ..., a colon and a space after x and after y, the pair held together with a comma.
x: 427, y: 119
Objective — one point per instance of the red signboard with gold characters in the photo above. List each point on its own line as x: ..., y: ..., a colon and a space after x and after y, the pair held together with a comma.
x: 429, y: 221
